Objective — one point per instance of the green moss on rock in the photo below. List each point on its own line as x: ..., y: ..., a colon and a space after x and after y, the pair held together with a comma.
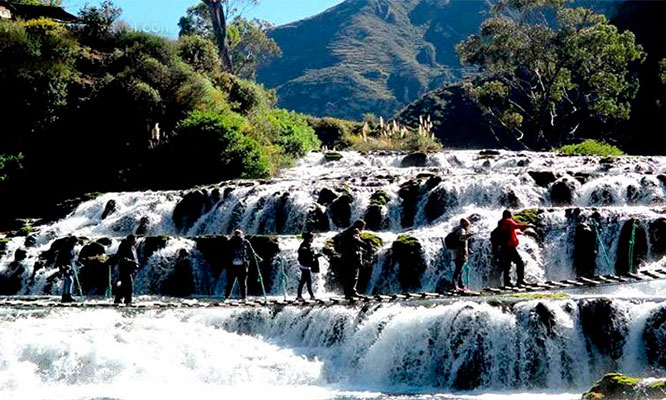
x: 375, y: 241
x: 331, y: 156
x: 617, y: 386
x: 380, y: 197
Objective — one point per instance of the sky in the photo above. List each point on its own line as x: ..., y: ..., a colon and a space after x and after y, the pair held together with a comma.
x: 161, y: 16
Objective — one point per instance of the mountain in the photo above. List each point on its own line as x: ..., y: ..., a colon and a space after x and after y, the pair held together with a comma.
x: 370, y: 56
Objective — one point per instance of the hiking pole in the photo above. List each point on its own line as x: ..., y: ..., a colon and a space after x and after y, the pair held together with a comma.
x: 260, y: 278
x: 283, y: 277
x: 632, y: 243
x: 109, y: 290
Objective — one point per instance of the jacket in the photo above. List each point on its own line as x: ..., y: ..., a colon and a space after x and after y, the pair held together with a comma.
x: 510, y: 225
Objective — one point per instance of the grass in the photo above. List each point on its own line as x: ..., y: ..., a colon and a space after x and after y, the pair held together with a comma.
x: 591, y: 148
x: 535, y: 296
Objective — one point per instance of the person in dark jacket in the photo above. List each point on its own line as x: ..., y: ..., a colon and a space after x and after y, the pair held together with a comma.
x: 128, y: 263
x: 460, y: 254
x: 352, y: 257
x: 63, y: 261
x: 241, y: 251
x: 511, y: 229
x: 308, y: 261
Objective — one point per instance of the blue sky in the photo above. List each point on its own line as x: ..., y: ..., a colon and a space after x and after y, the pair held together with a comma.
x: 161, y: 17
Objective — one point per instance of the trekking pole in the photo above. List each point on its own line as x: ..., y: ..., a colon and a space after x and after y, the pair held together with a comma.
x: 601, y: 243
x: 283, y: 277
x: 78, y: 282
x: 632, y: 243
x: 109, y: 289
x: 260, y: 278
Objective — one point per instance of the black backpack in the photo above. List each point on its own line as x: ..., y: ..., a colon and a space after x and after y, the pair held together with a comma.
x: 451, y: 240
x: 499, y: 237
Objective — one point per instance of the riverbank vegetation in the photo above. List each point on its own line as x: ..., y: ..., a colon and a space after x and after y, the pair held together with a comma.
x: 590, y: 148
x: 96, y: 106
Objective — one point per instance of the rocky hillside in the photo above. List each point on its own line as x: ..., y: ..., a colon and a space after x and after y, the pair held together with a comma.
x: 370, y: 56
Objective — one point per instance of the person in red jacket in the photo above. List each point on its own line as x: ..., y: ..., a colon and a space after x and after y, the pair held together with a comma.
x: 511, y: 229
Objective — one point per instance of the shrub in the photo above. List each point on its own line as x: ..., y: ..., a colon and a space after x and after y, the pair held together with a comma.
x: 9, y: 165
x: 590, y: 148
x: 294, y: 134
x: 246, y: 96
x: 334, y: 132
x: 201, y: 53
x: 211, y: 146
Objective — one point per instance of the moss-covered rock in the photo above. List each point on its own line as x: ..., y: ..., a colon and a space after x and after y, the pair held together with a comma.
x: 333, y: 251
x: 332, y: 156
x: 615, y: 386
x: 317, y: 220
x: 410, y: 192
x: 604, y: 325
x: 326, y: 196
x: 341, y: 210
x: 374, y: 215
x: 409, y: 257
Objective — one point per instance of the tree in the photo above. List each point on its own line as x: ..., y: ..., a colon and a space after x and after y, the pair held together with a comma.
x: 98, y: 21
x: 548, y: 71
x: 242, y: 44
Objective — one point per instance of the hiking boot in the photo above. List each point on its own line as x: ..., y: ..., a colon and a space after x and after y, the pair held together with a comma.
x: 299, y: 298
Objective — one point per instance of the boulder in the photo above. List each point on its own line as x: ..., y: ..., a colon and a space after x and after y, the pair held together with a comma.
x: 654, y: 337
x: 282, y: 213
x: 110, y: 208
x: 326, y: 196
x: 562, y: 192
x: 409, y: 258
x: 414, y: 160
x: 267, y: 248
x: 341, y: 210
x: 336, y: 272
x: 332, y: 156
x: 585, y: 250
x: 410, y: 193
x: 179, y: 281
x: 615, y: 386
x: 604, y: 325
x: 144, y: 224
x: 658, y: 237
x: 631, y: 229
x: 317, y: 220
x: 152, y: 244
x: 489, y: 153
x: 439, y: 202
x: 215, y: 251
x: 189, y: 209
x: 374, y: 215
x: 543, y: 178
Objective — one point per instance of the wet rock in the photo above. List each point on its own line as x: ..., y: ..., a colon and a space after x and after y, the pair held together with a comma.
x: 662, y: 179
x: 110, y: 208
x: 317, y: 220
x: 374, y: 215
x: 180, y: 280
x: 631, y: 229
x: 603, y: 196
x: 11, y: 279
x: 585, y: 250
x: 439, y: 202
x: 144, y: 224
x: 654, y: 337
x: 542, y: 315
x: 543, y: 178
x: 633, y: 194
x: 561, y: 192
x: 341, y: 211
x: 189, y: 209
x: 409, y: 258
x: 282, y: 213
x: 326, y: 196
x: 510, y: 200
x: 30, y: 240
x: 414, y: 160
x: 615, y: 386
x: 92, y: 249
x: 215, y: 251
x: 658, y: 237
x: 433, y: 182
x: 20, y: 255
x: 94, y: 272
x: 604, y: 325
x: 410, y: 193
x: 489, y: 153
x: 523, y: 163
x: 151, y: 244
x: 332, y: 156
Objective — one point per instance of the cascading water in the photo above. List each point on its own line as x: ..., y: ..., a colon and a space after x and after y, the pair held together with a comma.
x: 415, y: 349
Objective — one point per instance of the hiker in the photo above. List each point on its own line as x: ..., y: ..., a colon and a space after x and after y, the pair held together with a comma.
x: 128, y: 263
x: 63, y: 261
x: 498, y: 242
x: 241, y: 250
x: 457, y: 243
x: 352, y: 257
x: 308, y: 261
x: 510, y: 229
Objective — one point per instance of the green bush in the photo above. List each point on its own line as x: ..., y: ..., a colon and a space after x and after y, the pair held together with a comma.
x: 218, y: 148
x: 9, y: 165
x: 294, y: 134
x: 334, y: 132
x: 246, y: 96
x: 590, y: 148
x: 201, y: 53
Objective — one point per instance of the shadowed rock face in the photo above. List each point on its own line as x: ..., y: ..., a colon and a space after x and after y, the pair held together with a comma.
x: 605, y: 326
x: 632, y: 231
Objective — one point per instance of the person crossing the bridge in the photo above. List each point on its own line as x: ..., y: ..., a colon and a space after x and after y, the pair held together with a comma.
x: 241, y: 251
x: 352, y: 256
x: 63, y: 261
x: 308, y: 261
x: 511, y: 228
x: 128, y: 264
x: 458, y: 244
